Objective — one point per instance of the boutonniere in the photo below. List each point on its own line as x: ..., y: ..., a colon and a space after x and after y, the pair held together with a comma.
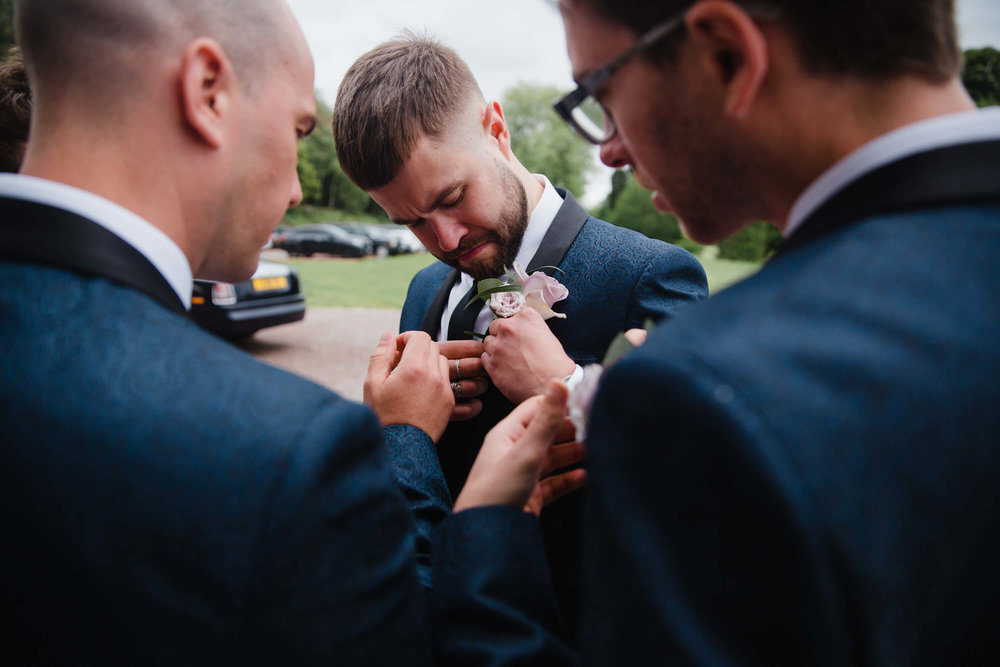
x: 506, y: 299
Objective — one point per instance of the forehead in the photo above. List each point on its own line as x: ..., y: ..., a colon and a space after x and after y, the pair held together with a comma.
x: 435, y: 165
x: 592, y: 41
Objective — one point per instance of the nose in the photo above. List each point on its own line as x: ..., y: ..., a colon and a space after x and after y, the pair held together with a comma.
x: 448, y: 233
x: 613, y: 152
x: 296, y: 198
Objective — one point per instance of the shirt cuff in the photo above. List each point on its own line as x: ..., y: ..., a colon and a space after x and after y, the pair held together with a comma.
x: 576, y: 378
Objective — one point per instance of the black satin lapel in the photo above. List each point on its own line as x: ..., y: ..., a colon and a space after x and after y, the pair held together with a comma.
x: 962, y: 174
x: 432, y: 320
x: 560, y: 236
x: 41, y: 234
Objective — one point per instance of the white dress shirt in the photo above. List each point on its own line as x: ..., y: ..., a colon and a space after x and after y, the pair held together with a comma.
x: 939, y: 132
x: 165, y: 256
x: 538, y: 224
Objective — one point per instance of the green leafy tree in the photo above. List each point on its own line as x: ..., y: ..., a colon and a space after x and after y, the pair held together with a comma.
x: 323, y: 181
x: 346, y: 196
x: 6, y: 25
x: 308, y: 178
x: 628, y: 205
x: 321, y: 154
x: 619, y: 179
x: 753, y: 244
x: 541, y: 140
x: 981, y: 75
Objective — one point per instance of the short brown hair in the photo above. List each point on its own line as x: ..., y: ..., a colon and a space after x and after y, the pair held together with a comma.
x: 15, y: 110
x: 95, y: 46
x: 390, y: 97
x: 873, y: 39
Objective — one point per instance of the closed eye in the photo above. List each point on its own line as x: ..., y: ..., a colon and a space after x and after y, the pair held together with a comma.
x: 454, y: 201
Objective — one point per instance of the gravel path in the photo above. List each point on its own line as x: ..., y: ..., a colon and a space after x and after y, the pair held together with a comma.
x: 330, y: 346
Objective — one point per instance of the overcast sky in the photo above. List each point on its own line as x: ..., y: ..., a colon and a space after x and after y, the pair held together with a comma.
x: 503, y: 43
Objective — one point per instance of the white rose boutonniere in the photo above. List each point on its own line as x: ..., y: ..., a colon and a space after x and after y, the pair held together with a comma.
x: 506, y: 299
x: 506, y: 304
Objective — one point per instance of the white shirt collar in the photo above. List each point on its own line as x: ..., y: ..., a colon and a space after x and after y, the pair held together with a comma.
x: 949, y: 130
x: 149, y: 240
x: 538, y: 224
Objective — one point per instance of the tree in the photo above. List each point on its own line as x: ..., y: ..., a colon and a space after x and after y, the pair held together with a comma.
x: 628, y: 205
x: 541, y: 140
x: 323, y: 181
x: 981, y: 75
x: 753, y: 244
x: 6, y: 25
x: 308, y: 178
x: 619, y: 179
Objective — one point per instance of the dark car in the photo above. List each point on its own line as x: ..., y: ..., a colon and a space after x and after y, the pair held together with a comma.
x: 272, y: 296
x: 327, y: 238
x: 381, y: 236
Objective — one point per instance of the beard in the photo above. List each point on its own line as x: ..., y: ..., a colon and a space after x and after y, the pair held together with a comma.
x: 506, y: 236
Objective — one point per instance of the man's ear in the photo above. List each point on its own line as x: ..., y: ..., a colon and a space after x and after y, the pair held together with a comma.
x: 496, y: 126
x: 733, y: 51
x: 207, y: 87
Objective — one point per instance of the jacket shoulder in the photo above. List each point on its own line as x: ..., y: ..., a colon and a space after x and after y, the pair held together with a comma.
x: 420, y: 294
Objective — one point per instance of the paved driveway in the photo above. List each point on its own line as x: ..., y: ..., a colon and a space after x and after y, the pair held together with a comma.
x: 330, y: 346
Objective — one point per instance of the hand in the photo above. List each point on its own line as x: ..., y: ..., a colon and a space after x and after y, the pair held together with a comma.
x: 636, y: 336
x: 521, y: 354
x: 566, y: 452
x: 472, y: 382
x: 407, y: 383
x: 519, y: 452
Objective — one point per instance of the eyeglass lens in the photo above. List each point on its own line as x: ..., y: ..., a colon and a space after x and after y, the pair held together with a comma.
x: 591, y: 119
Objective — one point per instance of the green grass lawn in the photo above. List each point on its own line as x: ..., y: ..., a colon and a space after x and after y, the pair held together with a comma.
x: 723, y: 272
x: 382, y: 283
x: 358, y: 283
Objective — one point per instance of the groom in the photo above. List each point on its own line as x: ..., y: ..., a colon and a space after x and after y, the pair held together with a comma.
x: 413, y: 129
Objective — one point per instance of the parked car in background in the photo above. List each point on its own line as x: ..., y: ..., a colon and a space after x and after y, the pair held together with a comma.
x: 271, y: 297
x: 382, y: 238
x: 408, y: 241
x: 307, y: 240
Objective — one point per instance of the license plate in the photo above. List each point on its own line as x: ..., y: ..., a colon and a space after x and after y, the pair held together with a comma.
x: 269, y: 284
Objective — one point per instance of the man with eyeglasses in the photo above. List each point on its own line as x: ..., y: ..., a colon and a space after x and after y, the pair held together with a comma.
x: 413, y: 129
x: 802, y: 470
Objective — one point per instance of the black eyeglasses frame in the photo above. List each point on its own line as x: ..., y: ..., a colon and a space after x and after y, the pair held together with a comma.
x: 592, y: 82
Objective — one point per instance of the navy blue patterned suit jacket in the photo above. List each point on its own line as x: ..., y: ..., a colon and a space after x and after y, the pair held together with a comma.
x: 617, y: 279
x: 804, y: 469
x: 166, y: 499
